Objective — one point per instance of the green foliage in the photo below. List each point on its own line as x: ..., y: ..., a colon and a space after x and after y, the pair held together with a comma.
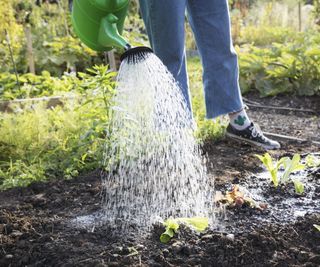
x: 266, y: 35
x: 172, y: 226
x: 312, y: 161
x: 64, y: 54
x: 271, y: 166
x: 289, y: 165
x: 39, y: 143
x: 317, y: 227
x: 299, y: 187
x: 292, y: 68
x: 31, y: 85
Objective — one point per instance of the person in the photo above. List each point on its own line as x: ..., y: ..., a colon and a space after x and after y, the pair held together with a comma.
x: 210, y: 23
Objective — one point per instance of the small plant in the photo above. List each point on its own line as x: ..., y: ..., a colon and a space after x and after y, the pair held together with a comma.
x: 312, y: 161
x: 298, y: 186
x: 172, y: 226
x: 272, y: 167
x: 289, y: 165
x: 317, y: 227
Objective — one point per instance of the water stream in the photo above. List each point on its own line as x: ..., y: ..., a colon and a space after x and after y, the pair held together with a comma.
x: 153, y: 162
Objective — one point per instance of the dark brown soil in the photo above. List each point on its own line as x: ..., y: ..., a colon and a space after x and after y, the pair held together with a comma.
x: 35, y: 227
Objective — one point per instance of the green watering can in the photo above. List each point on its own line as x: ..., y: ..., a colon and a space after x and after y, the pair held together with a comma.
x: 99, y: 23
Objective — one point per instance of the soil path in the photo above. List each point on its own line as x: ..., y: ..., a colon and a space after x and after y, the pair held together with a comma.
x: 35, y: 227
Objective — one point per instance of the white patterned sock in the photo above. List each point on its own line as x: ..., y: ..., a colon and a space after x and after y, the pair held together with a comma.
x: 239, y: 120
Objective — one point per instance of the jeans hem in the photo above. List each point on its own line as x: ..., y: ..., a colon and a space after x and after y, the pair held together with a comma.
x: 215, y: 114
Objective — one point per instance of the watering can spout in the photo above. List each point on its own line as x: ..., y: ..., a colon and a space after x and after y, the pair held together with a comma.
x: 99, y: 23
x: 109, y: 34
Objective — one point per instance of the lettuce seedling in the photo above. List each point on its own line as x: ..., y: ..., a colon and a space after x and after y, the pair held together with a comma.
x: 299, y: 187
x: 172, y: 225
x: 290, y: 166
x: 271, y: 166
x: 312, y: 161
x: 197, y: 223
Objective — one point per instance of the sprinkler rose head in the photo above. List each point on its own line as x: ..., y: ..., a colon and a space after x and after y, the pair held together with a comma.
x: 136, y: 55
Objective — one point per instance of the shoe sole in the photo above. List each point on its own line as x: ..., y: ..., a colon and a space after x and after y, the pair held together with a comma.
x: 238, y: 138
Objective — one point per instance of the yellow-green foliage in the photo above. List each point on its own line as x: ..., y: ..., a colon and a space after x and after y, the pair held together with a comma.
x: 292, y: 67
x: 14, y: 33
x: 38, y: 143
x: 31, y: 85
x: 266, y: 35
x: 7, y: 19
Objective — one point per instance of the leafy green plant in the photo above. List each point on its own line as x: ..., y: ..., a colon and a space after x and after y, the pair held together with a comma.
x: 289, y: 165
x: 271, y: 166
x: 39, y: 143
x: 312, y: 161
x: 291, y: 67
x: 317, y: 227
x: 299, y: 187
x: 266, y: 35
x: 172, y: 226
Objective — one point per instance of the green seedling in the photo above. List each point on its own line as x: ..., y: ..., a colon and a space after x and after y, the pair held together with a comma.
x: 312, y: 161
x: 172, y: 225
x: 299, y: 187
x: 317, y: 227
x: 272, y: 167
x: 290, y: 166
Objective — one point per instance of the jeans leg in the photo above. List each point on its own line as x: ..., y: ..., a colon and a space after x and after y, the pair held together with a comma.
x: 210, y: 22
x: 164, y: 20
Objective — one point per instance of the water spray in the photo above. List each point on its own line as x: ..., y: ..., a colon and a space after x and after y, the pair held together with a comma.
x: 155, y: 167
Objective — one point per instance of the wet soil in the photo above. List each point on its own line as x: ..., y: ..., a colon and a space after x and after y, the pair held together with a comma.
x: 35, y: 228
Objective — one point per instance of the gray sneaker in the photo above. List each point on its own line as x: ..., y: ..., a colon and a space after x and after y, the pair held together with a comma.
x: 252, y: 135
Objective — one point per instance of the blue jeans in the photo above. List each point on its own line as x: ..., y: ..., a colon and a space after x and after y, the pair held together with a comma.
x: 210, y: 22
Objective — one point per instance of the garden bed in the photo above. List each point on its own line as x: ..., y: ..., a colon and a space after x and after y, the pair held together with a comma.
x: 36, y: 229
